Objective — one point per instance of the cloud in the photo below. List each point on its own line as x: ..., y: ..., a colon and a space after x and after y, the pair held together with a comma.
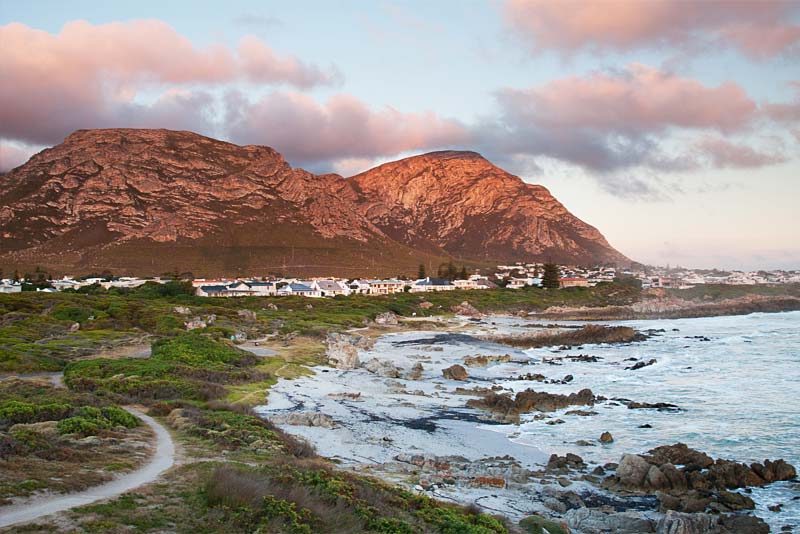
x: 785, y: 112
x: 90, y: 75
x: 343, y: 127
x: 721, y: 153
x: 608, y: 121
x: 756, y: 28
x: 13, y: 155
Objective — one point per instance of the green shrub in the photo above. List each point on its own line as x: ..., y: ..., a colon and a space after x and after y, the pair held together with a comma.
x: 119, y: 417
x: 81, y: 426
x: 538, y: 525
x: 197, y: 349
x: 12, y: 412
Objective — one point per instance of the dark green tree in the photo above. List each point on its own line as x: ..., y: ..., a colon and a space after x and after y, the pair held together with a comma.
x: 421, y: 271
x: 463, y: 274
x: 551, y: 276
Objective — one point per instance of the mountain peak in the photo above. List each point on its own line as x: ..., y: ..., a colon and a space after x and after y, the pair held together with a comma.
x: 146, y: 201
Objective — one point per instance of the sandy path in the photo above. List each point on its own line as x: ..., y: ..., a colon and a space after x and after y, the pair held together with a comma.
x: 36, y: 508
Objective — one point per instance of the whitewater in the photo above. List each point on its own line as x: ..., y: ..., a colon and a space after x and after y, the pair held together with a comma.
x: 735, y: 380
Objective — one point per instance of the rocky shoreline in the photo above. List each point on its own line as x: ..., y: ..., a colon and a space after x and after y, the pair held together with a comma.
x: 669, y: 489
x: 663, y: 307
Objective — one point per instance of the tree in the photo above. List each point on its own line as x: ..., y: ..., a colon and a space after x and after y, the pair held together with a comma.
x: 447, y: 271
x: 463, y: 274
x: 551, y: 276
x: 421, y: 271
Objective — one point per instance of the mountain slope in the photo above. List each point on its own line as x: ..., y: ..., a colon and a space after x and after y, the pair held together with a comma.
x: 147, y: 201
x: 461, y: 203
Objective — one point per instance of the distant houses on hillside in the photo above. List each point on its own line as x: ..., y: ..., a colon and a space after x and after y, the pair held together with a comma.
x: 331, y: 287
x: 512, y: 277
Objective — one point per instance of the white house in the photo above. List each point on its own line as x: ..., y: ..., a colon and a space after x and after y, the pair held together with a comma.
x: 425, y: 285
x: 300, y: 289
x: 330, y: 288
x: 8, y: 286
x: 263, y: 289
x: 359, y: 287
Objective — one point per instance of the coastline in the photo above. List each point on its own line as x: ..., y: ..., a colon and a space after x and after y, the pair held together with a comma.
x: 421, y: 462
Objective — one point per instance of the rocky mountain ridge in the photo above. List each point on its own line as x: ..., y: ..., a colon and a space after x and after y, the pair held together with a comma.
x: 150, y: 200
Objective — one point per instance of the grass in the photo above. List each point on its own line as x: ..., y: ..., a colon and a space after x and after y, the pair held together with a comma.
x: 40, y: 431
x: 303, y: 496
x: 205, y: 386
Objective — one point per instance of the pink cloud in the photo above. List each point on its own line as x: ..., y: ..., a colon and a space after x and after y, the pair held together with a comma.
x: 89, y: 75
x: 639, y: 98
x: 785, y: 112
x: 724, y: 154
x: 756, y: 28
x: 608, y: 121
x: 343, y: 127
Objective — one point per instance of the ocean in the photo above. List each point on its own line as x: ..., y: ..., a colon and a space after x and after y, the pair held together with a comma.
x: 735, y: 380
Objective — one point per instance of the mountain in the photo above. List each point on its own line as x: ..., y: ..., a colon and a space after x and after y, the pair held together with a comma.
x: 461, y: 203
x: 149, y: 201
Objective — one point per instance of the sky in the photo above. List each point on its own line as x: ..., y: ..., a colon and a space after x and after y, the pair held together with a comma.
x: 671, y: 126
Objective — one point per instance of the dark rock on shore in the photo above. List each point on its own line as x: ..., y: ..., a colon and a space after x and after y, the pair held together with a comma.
x: 455, y: 372
x: 690, y: 481
x: 506, y: 408
x: 660, y: 406
x: 640, y: 364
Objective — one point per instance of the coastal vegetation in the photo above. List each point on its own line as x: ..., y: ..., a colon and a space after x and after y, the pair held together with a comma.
x: 240, y: 472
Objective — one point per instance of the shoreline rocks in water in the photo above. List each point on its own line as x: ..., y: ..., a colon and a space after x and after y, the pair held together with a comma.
x: 505, y: 408
x: 591, y: 333
x: 483, y: 361
x: 688, y: 480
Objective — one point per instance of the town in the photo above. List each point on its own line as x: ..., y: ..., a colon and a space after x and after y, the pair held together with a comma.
x: 511, y: 277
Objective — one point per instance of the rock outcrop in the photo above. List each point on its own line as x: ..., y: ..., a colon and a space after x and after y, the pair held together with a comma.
x: 382, y: 368
x: 466, y: 309
x: 341, y: 350
x: 455, y: 372
x: 505, y: 408
x: 461, y: 203
x: 690, y: 481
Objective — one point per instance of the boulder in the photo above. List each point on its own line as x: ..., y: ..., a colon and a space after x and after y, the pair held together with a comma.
x: 632, y: 471
x: 483, y: 361
x: 181, y: 310
x: 425, y: 305
x: 382, y: 368
x: 455, y: 372
x: 247, y: 314
x: 680, y: 454
x: 597, y: 521
x: 342, y: 349
x: 466, y: 309
x: 195, y: 324
x: 416, y: 372
x: 386, y: 318
x: 682, y: 523
x: 304, y: 419
x: 606, y: 437
x: 743, y: 524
